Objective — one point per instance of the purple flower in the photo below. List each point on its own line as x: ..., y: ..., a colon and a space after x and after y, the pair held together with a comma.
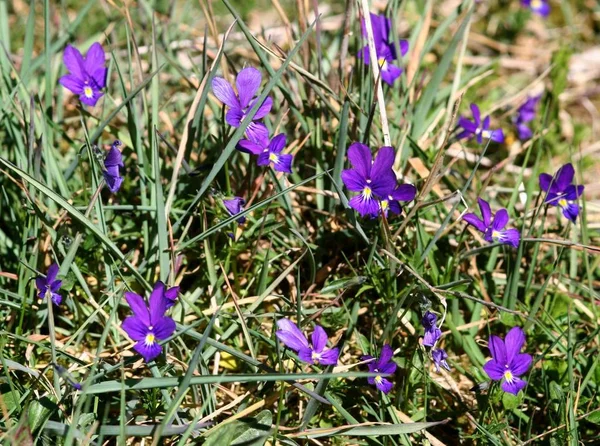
x: 432, y: 332
x: 48, y: 286
x: 269, y: 152
x: 171, y: 296
x: 560, y: 191
x: 439, y: 357
x: 314, y: 353
x: 87, y: 74
x: 493, y: 230
x: 481, y: 129
x: 540, y: 7
x: 384, y: 48
x: 247, y: 83
x: 234, y: 206
x: 508, y: 363
x: 373, y: 180
x: 402, y: 192
x: 112, y: 162
x: 383, y: 365
x: 525, y: 114
x: 148, y: 323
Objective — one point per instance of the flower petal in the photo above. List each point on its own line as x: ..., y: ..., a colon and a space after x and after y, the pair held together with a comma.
x: 99, y: 77
x: 138, y: 306
x: 258, y: 132
x: 571, y: 211
x: 290, y: 335
x: 148, y: 351
x: 113, y: 158
x: 476, y: 114
x: 364, y: 206
x: 520, y: 364
x: 494, y: 369
x: 545, y: 181
x: 72, y: 83
x: 390, y: 73
x: 224, y: 93
x: 384, y: 385
x: 284, y: 163
x: 404, y: 192
x: 514, y: 342
x: 52, y: 273
x: 247, y: 82
x: 386, y: 354
x: 94, y: 58
x: 382, y: 166
x: 305, y: 355
x: 353, y: 180
x: 319, y: 339
x: 500, y: 220
x: 486, y: 212
x: 329, y: 356
x: 74, y: 62
x: 164, y: 328
x: 475, y: 221
x: 498, y: 350
x: 514, y: 386
x: 135, y: 328
x: 247, y: 146
x: 277, y: 144
x: 573, y: 192
x: 263, y: 110
x: 564, y: 177
x: 360, y: 159
x: 157, y: 303
x: 234, y: 117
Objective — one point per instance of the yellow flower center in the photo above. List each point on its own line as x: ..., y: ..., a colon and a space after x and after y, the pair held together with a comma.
x: 508, y: 376
x: 495, y: 234
x: 88, y: 92
x: 563, y: 203
x: 273, y: 157
x: 367, y: 192
x: 378, y: 379
x: 315, y: 357
x: 384, y: 205
x: 382, y: 63
x: 149, y: 339
x: 536, y: 4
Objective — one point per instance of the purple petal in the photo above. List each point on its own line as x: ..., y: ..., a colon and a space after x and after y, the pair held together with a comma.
x: 403, y: 47
x: 247, y: 82
x: 390, y: 72
x: 277, y: 144
x: 113, y: 182
x: 360, y: 159
x: 52, y: 273
x: 263, y: 110
x: 520, y: 364
x: 319, y: 339
x: 498, y: 350
x: 514, y: 342
x: 94, y: 58
x: 353, y: 180
x: 72, y: 83
x: 475, y: 221
x: 364, y: 206
x: 157, y: 303
x: 171, y: 296
x: 486, y: 211
x: 56, y: 298
x: 524, y: 132
x: 40, y: 284
x: 570, y: 211
x: 469, y: 126
x: 148, y: 351
x: 258, y: 132
x: 431, y: 336
x: 245, y: 145
x: 573, y: 192
x: 135, y: 328
x: 500, y: 220
x: 329, y: 356
x: 99, y: 77
x: 224, y: 93
x: 564, y: 177
x: 163, y: 328
x: 114, y: 158
x: 284, y: 163
x: 514, y: 386
x: 497, y: 136
x: 386, y: 354
x: 305, y: 355
x: 494, y: 369
x: 476, y: 114
x: 263, y: 159
x: 404, y: 192
x: 234, y: 205
x: 383, y: 163
x: 234, y: 117
x: 384, y: 385
x: 138, y: 306
x: 510, y: 237
x: 388, y: 368
x: 55, y: 286
x: 545, y: 181
x: 91, y: 101
x: 74, y: 62
x: 290, y: 335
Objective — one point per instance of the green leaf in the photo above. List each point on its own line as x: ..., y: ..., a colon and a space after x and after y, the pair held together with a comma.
x: 510, y: 401
x: 368, y: 431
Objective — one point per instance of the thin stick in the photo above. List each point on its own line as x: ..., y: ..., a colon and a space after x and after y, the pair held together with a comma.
x: 385, y: 128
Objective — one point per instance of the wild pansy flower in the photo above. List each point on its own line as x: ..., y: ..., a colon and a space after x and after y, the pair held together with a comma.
x: 439, y: 357
x: 374, y: 180
x: 247, y: 83
x: 508, y: 362
x: 171, y: 296
x: 384, y: 48
x: 402, y: 192
x: 432, y: 332
x: 383, y: 365
x: 478, y: 128
x: 87, y: 75
x: 561, y: 192
x: 234, y: 206
x: 112, y: 162
x: 48, y: 286
x: 493, y: 230
x: 540, y: 7
x: 148, y: 323
x: 525, y: 114
x: 268, y: 151
x: 314, y: 353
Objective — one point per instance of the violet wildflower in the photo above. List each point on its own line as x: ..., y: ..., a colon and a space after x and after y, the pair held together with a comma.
x: 171, y: 296
x: 402, y: 192
x: 48, y: 286
x: 148, y: 323
x: 314, y: 353
x: 247, y: 83
x: 384, y: 48
x: 234, y: 206
x: 525, y: 114
x: 269, y: 151
x: 374, y: 180
x: 432, y: 332
x: 493, y: 230
x: 112, y: 163
x: 383, y: 365
x: 539, y: 7
x: 439, y: 357
x: 561, y: 192
x: 478, y: 128
x: 508, y: 363
x: 87, y: 74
